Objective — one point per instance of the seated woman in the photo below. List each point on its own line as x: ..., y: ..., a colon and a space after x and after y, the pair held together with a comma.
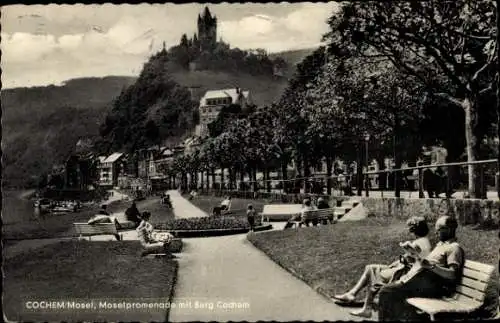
x: 192, y: 194
x: 225, y: 207
x: 150, y: 242
x: 376, y: 276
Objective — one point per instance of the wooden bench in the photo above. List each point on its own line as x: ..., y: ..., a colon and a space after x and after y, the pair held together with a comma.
x: 469, y: 294
x: 320, y: 215
x: 88, y: 230
x: 280, y: 212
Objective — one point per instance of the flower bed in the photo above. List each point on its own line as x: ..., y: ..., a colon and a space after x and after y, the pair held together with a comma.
x: 209, y: 226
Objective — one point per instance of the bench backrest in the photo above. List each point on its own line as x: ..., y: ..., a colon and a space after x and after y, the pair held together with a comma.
x: 474, y: 282
x: 95, y: 229
x: 321, y: 213
x: 282, y: 209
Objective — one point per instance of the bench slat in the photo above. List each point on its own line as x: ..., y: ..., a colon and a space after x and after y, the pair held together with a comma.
x: 472, y: 293
x: 474, y: 284
x: 476, y: 275
x: 95, y: 229
x: 484, y: 268
x: 435, y: 305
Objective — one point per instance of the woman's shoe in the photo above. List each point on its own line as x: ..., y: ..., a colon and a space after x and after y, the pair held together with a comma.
x: 364, y: 312
x: 346, y: 298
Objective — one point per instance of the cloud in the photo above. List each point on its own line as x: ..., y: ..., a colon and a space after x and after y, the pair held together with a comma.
x: 49, y: 44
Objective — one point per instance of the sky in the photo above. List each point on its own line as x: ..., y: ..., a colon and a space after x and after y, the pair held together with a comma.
x: 48, y: 44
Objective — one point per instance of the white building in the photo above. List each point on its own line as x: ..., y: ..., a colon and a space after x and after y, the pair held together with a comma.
x: 212, y: 103
x: 109, y: 169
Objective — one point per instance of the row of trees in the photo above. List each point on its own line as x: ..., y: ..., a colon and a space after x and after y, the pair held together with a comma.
x: 392, y: 71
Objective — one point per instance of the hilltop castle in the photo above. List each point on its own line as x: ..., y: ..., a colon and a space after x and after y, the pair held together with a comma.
x: 207, y: 30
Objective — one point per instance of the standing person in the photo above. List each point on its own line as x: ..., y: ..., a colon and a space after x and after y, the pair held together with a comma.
x: 133, y: 214
x: 437, y: 276
x: 251, y: 216
x: 375, y: 276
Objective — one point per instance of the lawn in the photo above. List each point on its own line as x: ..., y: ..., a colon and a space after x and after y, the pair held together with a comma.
x: 331, y: 258
x: 238, y: 206
x: 80, y: 271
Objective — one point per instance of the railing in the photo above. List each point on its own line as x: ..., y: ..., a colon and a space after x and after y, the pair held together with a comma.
x: 437, y: 180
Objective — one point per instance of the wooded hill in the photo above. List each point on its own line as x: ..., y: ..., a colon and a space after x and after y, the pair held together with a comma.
x: 41, y: 125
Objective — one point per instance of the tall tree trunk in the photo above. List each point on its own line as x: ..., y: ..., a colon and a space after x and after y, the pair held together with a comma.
x: 359, y: 169
x: 471, y: 123
x: 221, y: 177
x: 306, y: 173
x: 202, y: 182
x: 498, y: 94
x: 254, y: 179
x: 382, y: 177
x: 213, y: 177
x: 268, y: 179
x: 397, y: 158
x: 329, y: 166
x: 284, y: 175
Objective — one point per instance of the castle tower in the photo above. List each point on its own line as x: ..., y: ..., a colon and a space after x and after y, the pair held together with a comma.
x: 207, y: 30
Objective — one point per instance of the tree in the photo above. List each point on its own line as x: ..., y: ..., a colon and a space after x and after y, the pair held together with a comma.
x: 446, y: 45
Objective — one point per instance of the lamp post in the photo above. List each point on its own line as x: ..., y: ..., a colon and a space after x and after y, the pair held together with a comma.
x: 367, y: 187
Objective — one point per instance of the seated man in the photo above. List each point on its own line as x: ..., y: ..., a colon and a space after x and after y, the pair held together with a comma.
x: 434, y: 276
x: 322, y: 204
x: 149, y: 242
x: 307, y: 206
x: 102, y: 218
x: 133, y: 214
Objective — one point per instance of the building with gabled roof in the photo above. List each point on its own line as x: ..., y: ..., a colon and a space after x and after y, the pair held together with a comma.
x: 214, y: 100
x: 109, y: 169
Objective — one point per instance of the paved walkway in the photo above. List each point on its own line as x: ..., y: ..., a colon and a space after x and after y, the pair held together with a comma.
x: 183, y: 208
x: 230, y: 272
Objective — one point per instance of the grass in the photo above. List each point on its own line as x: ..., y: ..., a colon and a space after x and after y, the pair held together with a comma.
x: 82, y: 270
x: 331, y: 258
x: 238, y: 206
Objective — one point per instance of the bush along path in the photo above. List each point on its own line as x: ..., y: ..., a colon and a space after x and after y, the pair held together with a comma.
x: 227, y: 279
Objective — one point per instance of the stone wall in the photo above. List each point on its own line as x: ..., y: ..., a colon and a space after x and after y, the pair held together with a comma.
x: 467, y: 211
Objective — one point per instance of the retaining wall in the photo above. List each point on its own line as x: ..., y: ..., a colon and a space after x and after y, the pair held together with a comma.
x: 467, y: 211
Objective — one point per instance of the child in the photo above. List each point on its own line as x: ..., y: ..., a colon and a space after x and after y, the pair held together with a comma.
x: 251, y: 216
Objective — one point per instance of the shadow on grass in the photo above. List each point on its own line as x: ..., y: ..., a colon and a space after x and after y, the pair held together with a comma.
x: 82, y: 271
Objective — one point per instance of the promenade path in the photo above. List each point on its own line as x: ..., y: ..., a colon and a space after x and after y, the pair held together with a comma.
x: 229, y: 271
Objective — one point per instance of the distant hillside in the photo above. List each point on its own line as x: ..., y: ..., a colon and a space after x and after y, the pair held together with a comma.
x: 41, y: 125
